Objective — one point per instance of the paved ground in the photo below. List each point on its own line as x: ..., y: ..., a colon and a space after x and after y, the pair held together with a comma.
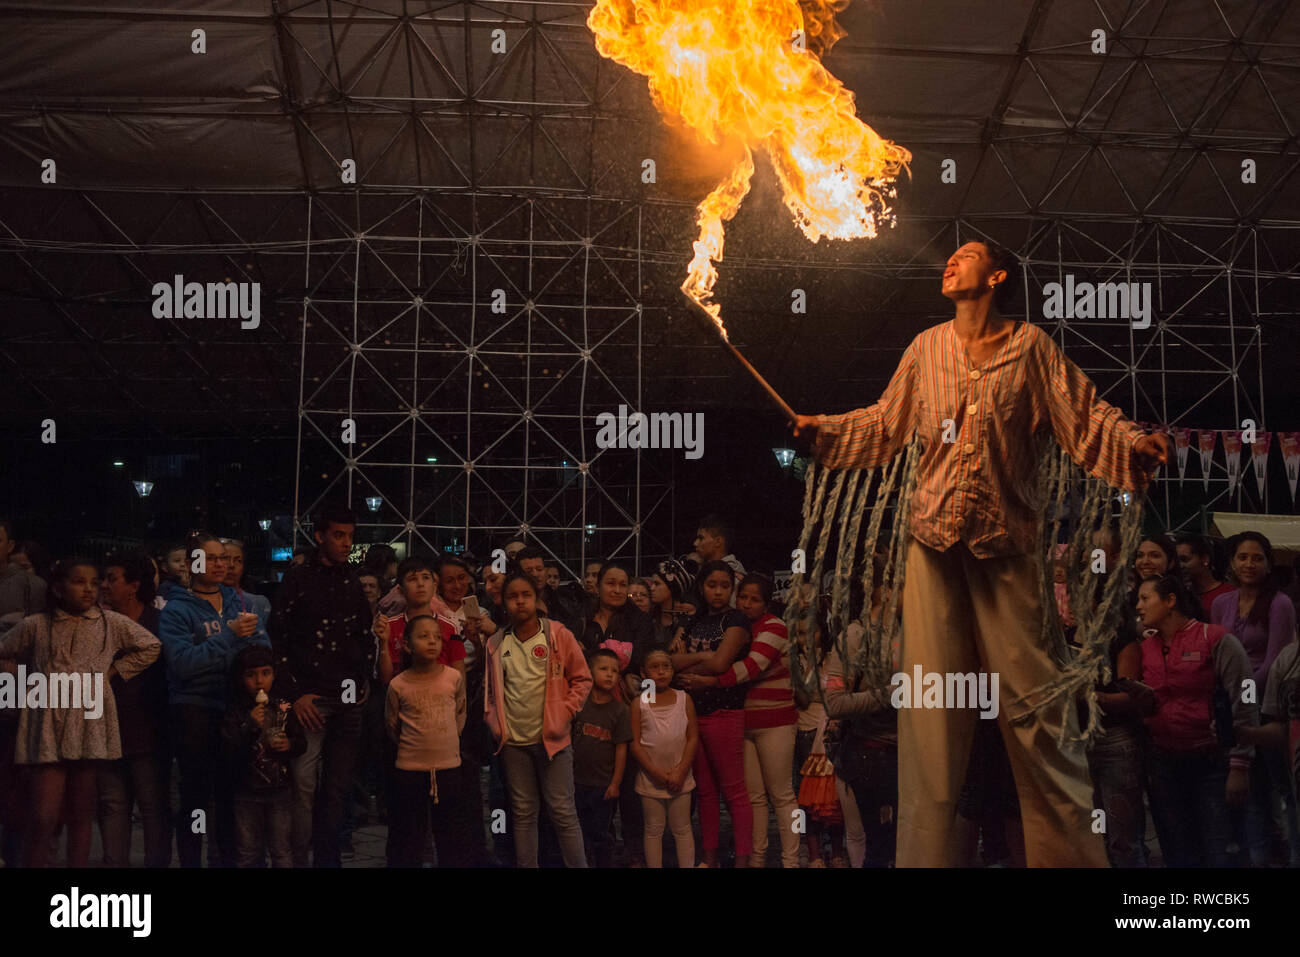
x: 368, y: 848
x: 369, y: 838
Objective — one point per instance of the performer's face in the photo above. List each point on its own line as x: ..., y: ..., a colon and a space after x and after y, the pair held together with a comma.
x: 969, y: 273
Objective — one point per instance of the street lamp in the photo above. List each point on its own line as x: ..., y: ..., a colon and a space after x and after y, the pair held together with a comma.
x: 784, y: 456
x: 264, y: 524
x: 142, y: 488
x: 373, y: 502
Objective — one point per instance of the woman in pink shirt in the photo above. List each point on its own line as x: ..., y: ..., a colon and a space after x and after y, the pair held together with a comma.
x: 1193, y: 777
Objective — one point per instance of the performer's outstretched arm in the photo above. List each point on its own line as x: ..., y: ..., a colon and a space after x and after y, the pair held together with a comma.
x: 867, y: 437
x: 1095, y: 433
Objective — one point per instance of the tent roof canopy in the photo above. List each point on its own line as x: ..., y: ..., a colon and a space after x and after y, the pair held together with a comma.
x: 1121, y: 165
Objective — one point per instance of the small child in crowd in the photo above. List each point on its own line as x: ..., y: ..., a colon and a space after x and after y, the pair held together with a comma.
x: 424, y: 715
x: 664, y: 740
x: 601, y: 732
x: 260, y: 735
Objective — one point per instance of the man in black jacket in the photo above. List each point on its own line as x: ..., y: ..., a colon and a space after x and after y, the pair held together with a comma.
x: 320, y: 629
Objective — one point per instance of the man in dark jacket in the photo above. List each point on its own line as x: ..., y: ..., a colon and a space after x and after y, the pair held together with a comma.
x: 324, y: 656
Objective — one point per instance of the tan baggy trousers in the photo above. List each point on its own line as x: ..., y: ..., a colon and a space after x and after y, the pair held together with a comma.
x: 964, y: 614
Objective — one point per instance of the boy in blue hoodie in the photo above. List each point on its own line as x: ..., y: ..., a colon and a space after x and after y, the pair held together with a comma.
x: 202, y: 629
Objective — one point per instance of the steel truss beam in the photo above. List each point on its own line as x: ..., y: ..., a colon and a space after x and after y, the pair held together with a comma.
x: 474, y: 379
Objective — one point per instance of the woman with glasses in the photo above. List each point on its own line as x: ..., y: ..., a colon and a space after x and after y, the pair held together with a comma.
x: 202, y: 629
x: 258, y: 604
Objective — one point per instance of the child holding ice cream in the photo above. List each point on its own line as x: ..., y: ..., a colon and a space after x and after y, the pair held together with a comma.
x: 259, y: 736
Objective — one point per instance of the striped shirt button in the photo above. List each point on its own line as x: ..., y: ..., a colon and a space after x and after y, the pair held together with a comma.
x: 968, y: 448
x: 970, y: 409
x: 974, y: 373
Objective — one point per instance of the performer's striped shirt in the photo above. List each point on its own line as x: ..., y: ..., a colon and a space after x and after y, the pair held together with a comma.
x: 770, y: 700
x: 979, y: 486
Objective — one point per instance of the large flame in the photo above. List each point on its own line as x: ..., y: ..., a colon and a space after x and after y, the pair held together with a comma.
x: 749, y: 70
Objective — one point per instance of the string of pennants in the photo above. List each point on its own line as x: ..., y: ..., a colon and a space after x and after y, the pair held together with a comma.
x: 1254, y: 443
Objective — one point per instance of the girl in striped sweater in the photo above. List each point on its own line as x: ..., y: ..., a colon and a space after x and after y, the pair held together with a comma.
x: 770, y: 718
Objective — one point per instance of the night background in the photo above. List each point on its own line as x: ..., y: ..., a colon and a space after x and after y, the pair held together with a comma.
x: 522, y: 172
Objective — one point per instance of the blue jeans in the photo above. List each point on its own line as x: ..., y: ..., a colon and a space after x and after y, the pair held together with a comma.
x: 1190, y: 808
x: 596, y: 815
x: 263, y: 822
x: 532, y: 777
x: 1115, y: 761
x: 1261, y: 819
x: 331, y: 757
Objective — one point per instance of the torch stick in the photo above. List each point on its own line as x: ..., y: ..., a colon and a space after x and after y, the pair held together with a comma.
x: 767, y: 387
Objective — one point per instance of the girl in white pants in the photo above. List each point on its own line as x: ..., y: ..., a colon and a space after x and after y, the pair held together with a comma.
x: 664, y: 739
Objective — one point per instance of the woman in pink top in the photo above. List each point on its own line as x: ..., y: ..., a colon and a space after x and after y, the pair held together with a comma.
x: 424, y: 714
x: 1193, y: 779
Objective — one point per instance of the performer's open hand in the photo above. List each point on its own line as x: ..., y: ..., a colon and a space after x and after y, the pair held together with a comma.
x: 1153, y: 451
x: 805, y: 427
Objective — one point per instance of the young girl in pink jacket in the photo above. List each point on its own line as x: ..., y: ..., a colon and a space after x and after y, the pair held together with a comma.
x: 537, y: 680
